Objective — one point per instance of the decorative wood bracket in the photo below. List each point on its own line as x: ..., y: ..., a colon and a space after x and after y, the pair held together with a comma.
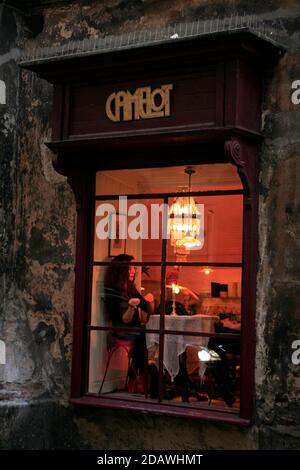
x: 236, y: 153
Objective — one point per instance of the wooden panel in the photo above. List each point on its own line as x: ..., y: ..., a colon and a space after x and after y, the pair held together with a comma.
x: 248, y: 96
x: 242, y: 95
x: 231, y: 83
x: 194, y: 100
x: 66, y: 112
x: 57, y: 114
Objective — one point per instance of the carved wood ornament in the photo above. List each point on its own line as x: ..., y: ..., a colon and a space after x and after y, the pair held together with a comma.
x: 234, y: 150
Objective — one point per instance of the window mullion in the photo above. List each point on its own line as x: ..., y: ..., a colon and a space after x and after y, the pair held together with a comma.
x: 162, y: 301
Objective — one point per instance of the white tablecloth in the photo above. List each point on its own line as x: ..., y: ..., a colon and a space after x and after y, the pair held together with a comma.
x: 176, y: 344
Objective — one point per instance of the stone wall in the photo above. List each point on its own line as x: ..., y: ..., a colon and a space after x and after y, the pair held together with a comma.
x: 278, y: 293
x: 37, y: 234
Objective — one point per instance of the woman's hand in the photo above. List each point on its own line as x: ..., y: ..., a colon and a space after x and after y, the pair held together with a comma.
x: 134, y: 302
x: 150, y: 301
x: 149, y: 297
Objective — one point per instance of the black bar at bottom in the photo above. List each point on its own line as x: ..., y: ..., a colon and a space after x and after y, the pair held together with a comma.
x: 134, y: 459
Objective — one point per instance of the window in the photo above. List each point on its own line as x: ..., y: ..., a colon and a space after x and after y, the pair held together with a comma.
x: 179, y: 350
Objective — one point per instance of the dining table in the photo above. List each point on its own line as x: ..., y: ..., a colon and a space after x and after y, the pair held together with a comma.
x: 176, y: 344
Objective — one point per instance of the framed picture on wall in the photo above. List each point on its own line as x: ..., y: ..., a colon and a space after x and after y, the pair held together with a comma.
x: 116, y: 245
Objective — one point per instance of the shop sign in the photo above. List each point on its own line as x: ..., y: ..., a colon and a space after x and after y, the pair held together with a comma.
x: 144, y: 103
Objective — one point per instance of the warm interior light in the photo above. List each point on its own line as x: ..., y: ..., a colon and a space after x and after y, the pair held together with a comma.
x: 207, y: 270
x: 189, y: 241
x: 175, y: 288
x: 204, y: 355
x: 184, y: 220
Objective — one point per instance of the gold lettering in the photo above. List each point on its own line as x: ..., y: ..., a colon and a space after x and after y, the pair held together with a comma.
x: 113, y: 117
x: 158, y: 110
x: 123, y: 104
x: 167, y: 89
x: 142, y: 104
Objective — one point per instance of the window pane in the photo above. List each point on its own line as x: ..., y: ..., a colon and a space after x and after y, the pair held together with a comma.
x: 122, y: 367
x: 99, y: 315
x: 131, y: 226
x: 210, y: 290
x: 109, y: 362
x: 220, y: 227
x: 207, y: 372
x: 111, y: 298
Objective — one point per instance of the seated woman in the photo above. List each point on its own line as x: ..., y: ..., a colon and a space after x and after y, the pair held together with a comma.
x: 126, y: 306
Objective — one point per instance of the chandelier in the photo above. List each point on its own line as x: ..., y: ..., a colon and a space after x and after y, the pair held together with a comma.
x: 184, y: 220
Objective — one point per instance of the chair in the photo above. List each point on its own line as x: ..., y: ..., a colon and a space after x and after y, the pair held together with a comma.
x: 116, y: 343
x: 223, y: 374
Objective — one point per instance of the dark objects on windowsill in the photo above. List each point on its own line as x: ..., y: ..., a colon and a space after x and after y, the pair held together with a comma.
x: 224, y: 392
x: 184, y: 391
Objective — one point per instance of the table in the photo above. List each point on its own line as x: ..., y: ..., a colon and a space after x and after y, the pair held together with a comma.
x: 175, y: 345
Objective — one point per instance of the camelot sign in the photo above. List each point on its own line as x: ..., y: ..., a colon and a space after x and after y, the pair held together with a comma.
x: 142, y: 104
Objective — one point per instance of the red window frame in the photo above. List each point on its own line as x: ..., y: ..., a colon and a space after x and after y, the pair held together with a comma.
x: 244, y: 155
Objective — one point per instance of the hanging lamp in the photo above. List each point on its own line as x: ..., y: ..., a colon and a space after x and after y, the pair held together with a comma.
x: 184, y: 219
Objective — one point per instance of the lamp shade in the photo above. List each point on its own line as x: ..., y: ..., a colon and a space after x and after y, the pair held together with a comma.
x: 185, y: 223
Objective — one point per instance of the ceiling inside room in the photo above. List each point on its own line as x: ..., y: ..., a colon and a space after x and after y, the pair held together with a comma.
x: 152, y: 180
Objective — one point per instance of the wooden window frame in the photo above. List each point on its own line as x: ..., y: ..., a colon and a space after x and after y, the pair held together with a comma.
x: 244, y: 156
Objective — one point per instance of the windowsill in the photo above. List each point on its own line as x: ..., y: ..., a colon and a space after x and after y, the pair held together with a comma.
x: 161, y: 409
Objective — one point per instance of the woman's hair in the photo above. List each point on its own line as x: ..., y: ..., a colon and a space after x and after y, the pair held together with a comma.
x: 117, y: 274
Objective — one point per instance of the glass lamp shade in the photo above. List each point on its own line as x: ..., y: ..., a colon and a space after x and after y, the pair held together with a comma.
x: 189, y: 241
x: 184, y: 223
